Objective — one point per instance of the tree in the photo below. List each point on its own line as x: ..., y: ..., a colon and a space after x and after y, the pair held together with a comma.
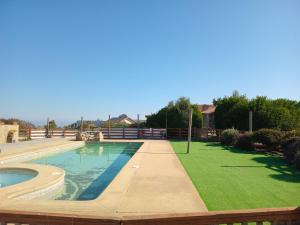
x: 52, y: 125
x: 233, y: 111
x: 176, y: 114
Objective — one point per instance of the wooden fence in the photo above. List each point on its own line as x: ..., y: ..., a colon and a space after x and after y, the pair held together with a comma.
x: 197, y: 133
x: 108, y: 133
x: 274, y: 216
x: 130, y: 133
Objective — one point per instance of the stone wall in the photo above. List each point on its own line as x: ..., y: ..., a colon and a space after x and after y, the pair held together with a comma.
x: 9, y: 133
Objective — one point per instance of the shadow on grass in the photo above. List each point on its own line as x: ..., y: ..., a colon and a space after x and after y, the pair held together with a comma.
x: 232, y: 149
x: 284, y: 172
x: 177, y: 140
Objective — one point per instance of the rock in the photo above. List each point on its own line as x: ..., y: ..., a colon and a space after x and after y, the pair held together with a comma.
x: 85, y: 136
x: 99, y: 136
x: 81, y: 137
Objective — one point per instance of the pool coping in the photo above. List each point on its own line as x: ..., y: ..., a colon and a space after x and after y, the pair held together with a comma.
x: 138, y: 189
x: 48, y: 181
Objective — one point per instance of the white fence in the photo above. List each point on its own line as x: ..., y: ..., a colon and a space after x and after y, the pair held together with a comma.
x: 108, y: 133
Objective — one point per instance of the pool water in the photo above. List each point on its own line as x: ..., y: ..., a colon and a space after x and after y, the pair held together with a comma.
x: 14, y: 176
x: 91, y: 168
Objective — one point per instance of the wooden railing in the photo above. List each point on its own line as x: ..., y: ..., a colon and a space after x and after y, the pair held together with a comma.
x: 275, y: 216
x: 109, y: 133
x: 197, y: 133
x: 131, y: 133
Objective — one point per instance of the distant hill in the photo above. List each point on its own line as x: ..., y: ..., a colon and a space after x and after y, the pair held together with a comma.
x: 88, y: 124
x: 22, y: 124
x: 121, y: 121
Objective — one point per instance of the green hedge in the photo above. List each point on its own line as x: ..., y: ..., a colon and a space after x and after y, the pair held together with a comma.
x: 268, y: 137
x: 245, y: 141
x: 229, y: 137
x: 287, y: 142
x: 291, y: 151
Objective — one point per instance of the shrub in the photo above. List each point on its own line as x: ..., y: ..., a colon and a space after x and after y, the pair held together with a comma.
x: 291, y: 148
x: 229, y: 137
x: 288, y: 137
x: 297, y: 160
x: 288, y: 134
x: 245, y: 141
x: 268, y: 137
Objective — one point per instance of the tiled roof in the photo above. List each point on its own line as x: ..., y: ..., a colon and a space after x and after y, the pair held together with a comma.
x: 206, y: 109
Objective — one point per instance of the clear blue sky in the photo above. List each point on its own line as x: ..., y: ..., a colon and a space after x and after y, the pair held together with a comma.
x: 65, y: 59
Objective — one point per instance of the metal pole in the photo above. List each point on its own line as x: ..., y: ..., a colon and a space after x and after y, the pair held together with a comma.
x: 167, y: 124
x: 48, y: 126
x: 109, y: 125
x: 81, y: 125
x: 138, y: 125
x: 190, y: 130
x: 250, y: 121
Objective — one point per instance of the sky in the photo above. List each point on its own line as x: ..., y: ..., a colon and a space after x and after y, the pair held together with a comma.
x: 65, y: 59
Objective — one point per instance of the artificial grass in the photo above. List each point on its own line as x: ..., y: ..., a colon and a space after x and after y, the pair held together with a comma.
x: 228, y: 178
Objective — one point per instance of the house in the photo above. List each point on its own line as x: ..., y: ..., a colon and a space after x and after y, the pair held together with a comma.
x: 208, y: 115
x: 122, y: 120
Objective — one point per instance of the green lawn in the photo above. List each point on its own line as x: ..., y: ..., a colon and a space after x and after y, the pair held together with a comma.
x: 227, y: 178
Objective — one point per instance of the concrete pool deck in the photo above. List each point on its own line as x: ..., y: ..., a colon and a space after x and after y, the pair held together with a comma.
x: 153, y: 181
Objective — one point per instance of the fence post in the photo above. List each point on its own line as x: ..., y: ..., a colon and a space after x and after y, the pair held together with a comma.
x: 48, y: 127
x: 123, y: 132
x: 81, y: 125
x: 29, y: 133
x: 152, y: 132
x: 138, y: 126
x: 179, y: 132
x: 109, y: 126
x: 190, y: 130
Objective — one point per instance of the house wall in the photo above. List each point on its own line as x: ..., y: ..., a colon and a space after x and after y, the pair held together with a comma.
x: 4, y: 131
x: 208, y: 121
x: 126, y: 121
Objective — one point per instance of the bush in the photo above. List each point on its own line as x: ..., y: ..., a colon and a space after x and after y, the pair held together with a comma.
x: 288, y: 134
x: 268, y: 137
x: 229, y: 137
x: 291, y: 149
x: 245, y: 141
x: 297, y: 161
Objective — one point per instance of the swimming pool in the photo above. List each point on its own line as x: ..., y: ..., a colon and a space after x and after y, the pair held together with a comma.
x: 91, y: 168
x: 14, y: 176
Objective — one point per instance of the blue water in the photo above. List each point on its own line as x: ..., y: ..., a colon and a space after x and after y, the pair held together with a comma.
x: 91, y: 168
x: 14, y: 176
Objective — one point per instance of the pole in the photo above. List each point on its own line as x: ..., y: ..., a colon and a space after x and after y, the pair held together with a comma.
x: 250, y: 121
x: 48, y: 126
x: 109, y: 125
x: 81, y: 125
x: 190, y: 130
x: 138, y: 125
x: 167, y: 124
